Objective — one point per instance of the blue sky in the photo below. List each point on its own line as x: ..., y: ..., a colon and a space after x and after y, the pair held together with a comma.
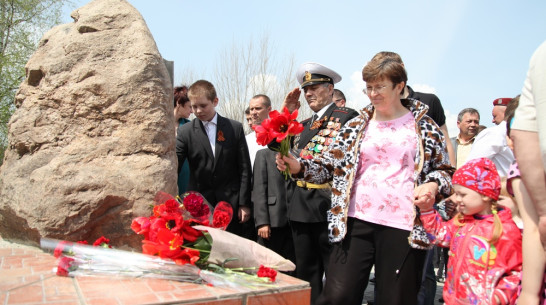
x: 466, y: 52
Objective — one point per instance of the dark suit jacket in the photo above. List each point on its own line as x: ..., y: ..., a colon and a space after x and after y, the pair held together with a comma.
x: 224, y: 176
x: 310, y: 205
x: 435, y: 109
x: 269, y: 191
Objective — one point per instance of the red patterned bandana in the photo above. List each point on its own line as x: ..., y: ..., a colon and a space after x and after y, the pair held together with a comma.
x: 479, y: 175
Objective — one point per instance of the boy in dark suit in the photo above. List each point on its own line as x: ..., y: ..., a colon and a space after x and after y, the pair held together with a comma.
x: 217, y: 153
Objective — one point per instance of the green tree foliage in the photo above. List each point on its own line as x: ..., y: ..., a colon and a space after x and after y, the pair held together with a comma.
x: 22, y: 24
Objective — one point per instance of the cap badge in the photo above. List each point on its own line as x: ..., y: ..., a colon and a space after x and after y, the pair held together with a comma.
x: 307, y: 76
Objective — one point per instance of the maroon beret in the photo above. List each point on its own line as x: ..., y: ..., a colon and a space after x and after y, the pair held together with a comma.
x: 503, y: 101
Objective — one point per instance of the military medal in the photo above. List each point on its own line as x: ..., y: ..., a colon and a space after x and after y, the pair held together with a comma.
x: 318, y: 123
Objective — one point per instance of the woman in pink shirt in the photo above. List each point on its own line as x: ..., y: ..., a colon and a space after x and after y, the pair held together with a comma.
x: 381, y: 162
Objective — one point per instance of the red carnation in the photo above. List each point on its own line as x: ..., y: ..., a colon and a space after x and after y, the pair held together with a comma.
x: 60, y: 248
x: 223, y: 212
x: 64, y: 266
x: 267, y: 272
x: 195, y: 206
x: 171, y: 206
x: 102, y: 242
x: 221, y: 220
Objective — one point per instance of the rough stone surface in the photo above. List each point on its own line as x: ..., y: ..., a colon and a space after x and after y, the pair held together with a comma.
x: 91, y: 140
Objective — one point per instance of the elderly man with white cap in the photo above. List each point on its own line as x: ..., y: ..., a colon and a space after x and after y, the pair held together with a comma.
x: 309, y: 202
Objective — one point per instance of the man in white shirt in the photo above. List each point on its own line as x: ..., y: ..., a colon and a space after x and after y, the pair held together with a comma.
x: 260, y: 106
x: 491, y: 143
x: 468, y: 122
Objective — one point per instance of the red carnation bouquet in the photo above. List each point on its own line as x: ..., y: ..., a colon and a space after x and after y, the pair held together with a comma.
x: 281, y: 127
x: 184, y: 240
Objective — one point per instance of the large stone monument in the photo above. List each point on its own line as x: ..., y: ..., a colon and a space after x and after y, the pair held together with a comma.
x: 92, y: 139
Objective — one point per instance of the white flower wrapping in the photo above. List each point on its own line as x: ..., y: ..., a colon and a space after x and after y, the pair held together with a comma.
x: 228, y: 251
x: 227, y: 246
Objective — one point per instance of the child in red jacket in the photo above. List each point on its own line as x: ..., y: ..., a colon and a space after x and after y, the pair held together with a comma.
x: 485, y: 244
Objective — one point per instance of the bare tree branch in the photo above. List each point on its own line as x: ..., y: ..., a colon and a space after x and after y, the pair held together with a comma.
x: 22, y: 23
x: 244, y: 70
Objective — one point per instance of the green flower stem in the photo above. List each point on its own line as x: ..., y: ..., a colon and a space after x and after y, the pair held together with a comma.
x: 200, y: 250
x: 285, y: 148
x: 242, y: 268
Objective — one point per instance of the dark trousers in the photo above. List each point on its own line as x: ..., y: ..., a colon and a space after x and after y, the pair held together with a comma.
x: 281, y: 242
x: 246, y: 229
x: 443, y: 257
x: 398, y: 268
x: 312, y: 253
x: 428, y: 286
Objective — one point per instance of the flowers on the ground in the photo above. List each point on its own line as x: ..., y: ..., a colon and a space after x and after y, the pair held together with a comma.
x: 180, y: 236
x: 281, y: 127
x: 223, y: 213
x: 66, y: 264
x: 102, y: 242
x: 194, y: 203
x: 267, y: 272
x: 169, y: 232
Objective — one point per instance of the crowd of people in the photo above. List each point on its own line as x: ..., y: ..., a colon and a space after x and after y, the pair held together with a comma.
x: 383, y: 189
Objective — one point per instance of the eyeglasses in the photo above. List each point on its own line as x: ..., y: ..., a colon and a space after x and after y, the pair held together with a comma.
x: 378, y: 89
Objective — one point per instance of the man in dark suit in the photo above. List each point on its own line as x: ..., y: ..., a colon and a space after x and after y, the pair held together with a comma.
x: 217, y: 153
x: 270, y: 205
x: 308, y: 202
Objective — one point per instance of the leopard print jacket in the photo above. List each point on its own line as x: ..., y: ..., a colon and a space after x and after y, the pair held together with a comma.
x: 337, y: 164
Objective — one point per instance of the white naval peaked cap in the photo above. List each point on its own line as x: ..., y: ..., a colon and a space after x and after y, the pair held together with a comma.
x: 312, y: 73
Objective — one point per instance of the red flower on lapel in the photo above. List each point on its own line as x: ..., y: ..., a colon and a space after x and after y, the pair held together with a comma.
x: 221, y: 136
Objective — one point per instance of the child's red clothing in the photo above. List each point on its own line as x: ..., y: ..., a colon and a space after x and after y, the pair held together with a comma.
x: 470, y: 279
